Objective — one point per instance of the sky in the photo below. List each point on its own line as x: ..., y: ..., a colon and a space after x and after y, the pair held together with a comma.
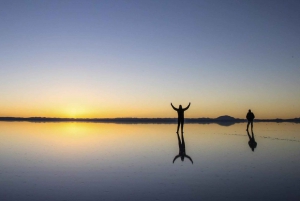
x: 106, y: 59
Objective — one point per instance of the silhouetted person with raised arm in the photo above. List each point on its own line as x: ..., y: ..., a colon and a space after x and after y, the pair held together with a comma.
x: 252, y: 143
x: 180, y: 112
x: 250, y: 117
x: 181, y: 145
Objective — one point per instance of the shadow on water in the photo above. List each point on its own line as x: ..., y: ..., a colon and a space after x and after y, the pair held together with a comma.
x: 252, y: 143
x: 182, y: 152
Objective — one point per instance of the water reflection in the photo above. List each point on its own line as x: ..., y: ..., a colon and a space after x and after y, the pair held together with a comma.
x: 252, y: 143
x: 182, y: 152
x: 85, y: 161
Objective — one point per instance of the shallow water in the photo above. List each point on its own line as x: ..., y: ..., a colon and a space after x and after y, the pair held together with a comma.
x: 98, y: 161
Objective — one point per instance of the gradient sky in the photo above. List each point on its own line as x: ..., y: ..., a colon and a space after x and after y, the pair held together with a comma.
x: 133, y: 58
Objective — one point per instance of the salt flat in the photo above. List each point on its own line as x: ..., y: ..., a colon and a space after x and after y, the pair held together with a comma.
x: 99, y: 161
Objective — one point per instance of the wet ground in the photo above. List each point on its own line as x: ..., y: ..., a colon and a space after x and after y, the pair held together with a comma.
x: 98, y: 161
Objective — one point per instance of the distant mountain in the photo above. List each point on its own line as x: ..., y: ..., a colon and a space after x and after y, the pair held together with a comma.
x: 225, y: 118
x: 297, y: 119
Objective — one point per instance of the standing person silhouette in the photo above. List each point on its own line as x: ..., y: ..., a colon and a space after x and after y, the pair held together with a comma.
x: 250, y: 116
x: 180, y: 112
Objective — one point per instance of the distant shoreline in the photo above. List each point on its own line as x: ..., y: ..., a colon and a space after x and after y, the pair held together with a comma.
x: 223, y: 120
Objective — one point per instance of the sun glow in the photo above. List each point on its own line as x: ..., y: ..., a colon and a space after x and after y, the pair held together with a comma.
x: 75, y: 112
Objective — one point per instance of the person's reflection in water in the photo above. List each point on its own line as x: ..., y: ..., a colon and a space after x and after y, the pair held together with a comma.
x: 180, y: 112
x: 182, y: 153
x: 252, y: 143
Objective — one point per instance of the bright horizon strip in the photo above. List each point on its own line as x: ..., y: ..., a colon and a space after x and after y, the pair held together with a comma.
x: 76, y: 113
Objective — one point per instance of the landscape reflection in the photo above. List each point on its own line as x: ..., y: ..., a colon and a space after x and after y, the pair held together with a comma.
x: 99, y: 161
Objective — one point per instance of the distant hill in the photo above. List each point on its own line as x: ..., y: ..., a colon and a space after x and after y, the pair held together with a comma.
x: 225, y: 118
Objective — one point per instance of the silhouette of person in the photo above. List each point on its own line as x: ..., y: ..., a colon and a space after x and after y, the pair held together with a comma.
x: 182, y: 153
x: 180, y: 112
x: 250, y: 116
x: 252, y: 143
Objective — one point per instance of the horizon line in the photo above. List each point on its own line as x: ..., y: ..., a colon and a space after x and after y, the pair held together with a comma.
x: 224, y: 118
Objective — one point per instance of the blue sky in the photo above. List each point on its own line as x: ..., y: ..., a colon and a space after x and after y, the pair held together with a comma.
x: 132, y: 58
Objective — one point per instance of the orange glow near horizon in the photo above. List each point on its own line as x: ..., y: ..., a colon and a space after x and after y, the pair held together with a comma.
x: 168, y: 112
x: 92, y: 105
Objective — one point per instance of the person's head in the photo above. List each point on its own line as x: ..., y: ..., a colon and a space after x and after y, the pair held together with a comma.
x: 180, y: 107
x: 249, y: 110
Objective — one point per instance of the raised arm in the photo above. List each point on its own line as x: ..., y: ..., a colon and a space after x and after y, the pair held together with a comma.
x: 187, y: 107
x: 174, y: 107
x: 176, y: 158
x: 189, y: 158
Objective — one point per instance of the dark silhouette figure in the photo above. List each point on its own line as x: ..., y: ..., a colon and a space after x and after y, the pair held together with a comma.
x: 252, y: 143
x: 250, y: 117
x: 182, y: 153
x: 180, y: 112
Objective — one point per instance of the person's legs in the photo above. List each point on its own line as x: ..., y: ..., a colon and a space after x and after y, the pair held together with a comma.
x: 178, y: 125
x: 182, y: 122
x: 248, y: 125
x: 251, y: 125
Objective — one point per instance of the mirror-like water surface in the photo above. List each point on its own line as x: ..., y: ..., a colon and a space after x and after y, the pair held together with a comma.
x: 98, y: 161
